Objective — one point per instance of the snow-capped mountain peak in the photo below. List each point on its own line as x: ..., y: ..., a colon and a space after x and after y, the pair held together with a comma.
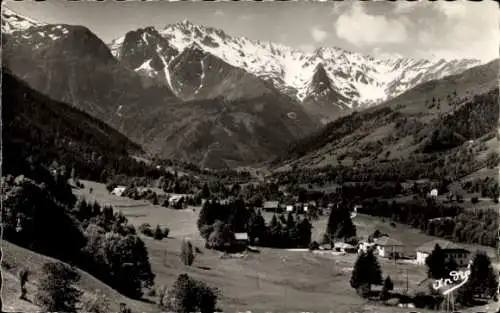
x: 359, y: 80
x: 12, y: 21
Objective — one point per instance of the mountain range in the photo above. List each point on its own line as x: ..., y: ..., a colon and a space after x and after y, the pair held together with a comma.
x: 328, y: 82
x: 198, y: 94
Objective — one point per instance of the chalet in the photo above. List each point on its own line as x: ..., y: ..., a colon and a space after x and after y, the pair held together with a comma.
x: 388, y: 247
x: 241, y: 241
x: 290, y: 208
x: 433, y: 193
x: 451, y: 250
x: 270, y: 206
x: 118, y: 191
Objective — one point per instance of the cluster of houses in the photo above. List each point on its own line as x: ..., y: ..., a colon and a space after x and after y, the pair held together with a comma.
x: 277, y: 207
x: 387, y: 247
x: 171, y: 200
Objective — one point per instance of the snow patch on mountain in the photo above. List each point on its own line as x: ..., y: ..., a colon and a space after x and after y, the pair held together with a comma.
x: 363, y: 79
x: 12, y: 21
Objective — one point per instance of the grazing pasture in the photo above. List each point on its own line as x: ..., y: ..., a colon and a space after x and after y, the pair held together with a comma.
x: 272, y: 280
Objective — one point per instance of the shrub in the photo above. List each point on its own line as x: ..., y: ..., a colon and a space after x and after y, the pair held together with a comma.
x: 146, y: 230
x: 111, y: 186
x: 190, y: 295
x: 166, y: 232
x: 124, y: 308
x: 313, y: 246
x: 23, y: 279
x: 187, y: 255
x: 55, y: 291
x: 158, y: 233
x: 96, y: 302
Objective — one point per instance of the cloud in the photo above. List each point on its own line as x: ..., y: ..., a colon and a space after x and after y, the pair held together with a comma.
x: 361, y: 29
x: 245, y: 18
x: 219, y: 13
x: 318, y: 34
x: 453, y: 9
x: 462, y: 30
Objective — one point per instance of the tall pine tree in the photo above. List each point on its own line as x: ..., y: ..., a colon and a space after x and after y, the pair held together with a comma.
x: 366, y: 272
x: 482, y: 282
x: 436, y: 263
x: 340, y: 225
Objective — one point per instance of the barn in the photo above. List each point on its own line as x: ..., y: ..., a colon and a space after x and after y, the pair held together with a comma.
x: 388, y: 247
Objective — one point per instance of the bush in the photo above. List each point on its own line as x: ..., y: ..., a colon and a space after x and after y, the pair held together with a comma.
x: 313, y: 246
x: 111, y: 186
x: 187, y: 255
x: 146, y: 230
x: 124, y: 308
x: 55, y: 291
x: 190, y: 295
x: 96, y: 302
x: 158, y: 233
x: 23, y: 279
x: 166, y: 232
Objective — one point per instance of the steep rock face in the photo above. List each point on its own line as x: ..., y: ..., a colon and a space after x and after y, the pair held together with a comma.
x: 359, y: 80
x: 322, y: 99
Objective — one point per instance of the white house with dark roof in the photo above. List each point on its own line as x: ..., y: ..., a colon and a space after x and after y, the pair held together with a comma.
x: 386, y: 246
x: 451, y: 250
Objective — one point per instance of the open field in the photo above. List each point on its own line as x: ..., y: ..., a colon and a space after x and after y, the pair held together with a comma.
x: 273, y: 280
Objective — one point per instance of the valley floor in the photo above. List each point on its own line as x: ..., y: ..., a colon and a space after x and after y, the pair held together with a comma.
x: 270, y: 281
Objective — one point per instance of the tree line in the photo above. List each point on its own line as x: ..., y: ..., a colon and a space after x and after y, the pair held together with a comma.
x: 37, y: 215
x: 218, y: 223
x: 446, y: 221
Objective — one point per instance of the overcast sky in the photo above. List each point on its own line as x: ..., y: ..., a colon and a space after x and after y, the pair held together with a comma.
x: 458, y: 29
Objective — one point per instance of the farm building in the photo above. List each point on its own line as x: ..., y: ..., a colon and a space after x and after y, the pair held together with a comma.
x: 387, y: 246
x: 241, y: 241
x: 289, y: 208
x: 241, y: 238
x: 433, y: 193
x: 345, y: 247
x: 451, y: 250
x: 270, y: 206
x: 118, y: 191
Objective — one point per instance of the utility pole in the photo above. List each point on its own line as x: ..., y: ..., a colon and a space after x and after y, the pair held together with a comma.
x: 406, y: 272
x: 394, y: 254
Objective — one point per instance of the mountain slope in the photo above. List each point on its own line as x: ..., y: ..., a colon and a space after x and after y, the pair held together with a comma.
x: 359, y: 80
x: 70, y: 64
x: 36, y: 126
x: 221, y: 133
x: 428, y: 124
